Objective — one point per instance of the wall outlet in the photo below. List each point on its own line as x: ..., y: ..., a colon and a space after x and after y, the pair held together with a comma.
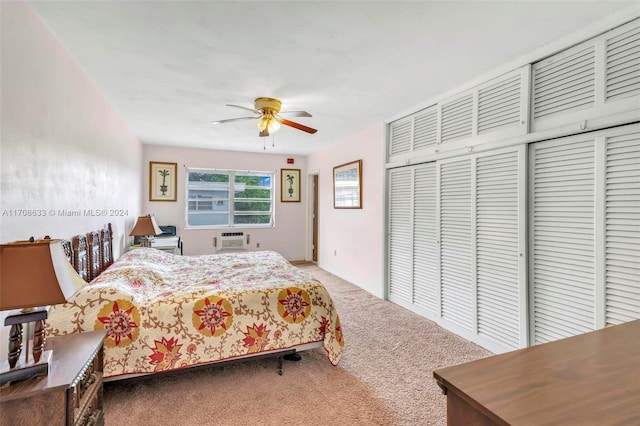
x: 257, y: 245
x: 335, y: 252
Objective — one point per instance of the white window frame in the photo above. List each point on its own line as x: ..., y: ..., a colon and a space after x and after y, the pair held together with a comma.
x: 230, y: 200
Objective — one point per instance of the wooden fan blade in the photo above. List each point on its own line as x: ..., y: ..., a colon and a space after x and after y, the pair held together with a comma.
x: 295, y: 114
x: 248, y: 109
x: 233, y: 119
x: 297, y: 126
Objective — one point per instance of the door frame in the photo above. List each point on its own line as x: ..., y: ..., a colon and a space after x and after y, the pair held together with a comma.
x: 312, y: 206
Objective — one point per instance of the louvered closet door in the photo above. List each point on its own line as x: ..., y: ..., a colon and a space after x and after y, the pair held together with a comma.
x: 597, y: 80
x: 425, y: 240
x: 456, y: 243
x: 400, y: 136
x: 498, y: 289
x: 425, y: 131
x: 412, y: 240
x: 562, y: 257
x: 400, y: 235
x: 622, y: 228
x: 457, y: 119
x: 564, y: 83
x: 622, y: 63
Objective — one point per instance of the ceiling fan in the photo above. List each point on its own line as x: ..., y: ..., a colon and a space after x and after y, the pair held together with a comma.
x: 270, y: 116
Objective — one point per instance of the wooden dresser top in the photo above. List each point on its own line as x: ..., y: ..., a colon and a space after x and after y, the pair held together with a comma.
x: 593, y: 378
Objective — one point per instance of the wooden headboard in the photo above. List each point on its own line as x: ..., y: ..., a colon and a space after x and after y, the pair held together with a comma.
x: 106, y: 246
x: 93, y: 245
x: 92, y: 253
x: 68, y: 250
x: 80, y: 257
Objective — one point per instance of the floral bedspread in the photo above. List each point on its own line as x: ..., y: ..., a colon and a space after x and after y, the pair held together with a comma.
x: 164, y: 311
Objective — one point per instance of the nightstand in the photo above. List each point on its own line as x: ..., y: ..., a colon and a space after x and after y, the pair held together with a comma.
x: 167, y: 244
x: 72, y: 392
x: 171, y: 244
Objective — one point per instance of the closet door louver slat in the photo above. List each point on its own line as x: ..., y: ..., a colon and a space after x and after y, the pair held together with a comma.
x: 562, y: 231
x: 400, y: 137
x: 400, y: 236
x: 425, y: 236
x: 457, y: 119
x: 562, y: 84
x: 499, y: 105
x: 623, y: 65
x: 498, y: 303
x: 455, y: 243
x: 622, y: 228
x: 425, y: 129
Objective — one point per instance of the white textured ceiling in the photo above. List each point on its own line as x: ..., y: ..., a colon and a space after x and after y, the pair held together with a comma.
x: 169, y: 68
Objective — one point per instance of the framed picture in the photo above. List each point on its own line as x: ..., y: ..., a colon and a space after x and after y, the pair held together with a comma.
x: 347, y: 186
x: 163, y: 181
x: 290, y: 185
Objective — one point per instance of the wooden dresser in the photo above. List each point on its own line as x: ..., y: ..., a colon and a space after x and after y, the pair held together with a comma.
x: 590, y: 379
x: 72, y: 392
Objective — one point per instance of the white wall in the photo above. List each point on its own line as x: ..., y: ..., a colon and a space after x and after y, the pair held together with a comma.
x: 287, y: 237
x: 356, y: 236
x: 62, y: 146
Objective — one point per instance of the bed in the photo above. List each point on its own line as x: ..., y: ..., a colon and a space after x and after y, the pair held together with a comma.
x: 166, y: 312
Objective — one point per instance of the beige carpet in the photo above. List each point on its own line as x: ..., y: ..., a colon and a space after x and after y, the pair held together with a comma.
x: 385, y: 377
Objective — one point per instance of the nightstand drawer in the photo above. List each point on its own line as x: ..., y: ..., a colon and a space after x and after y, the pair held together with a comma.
x: 90, y: 411
x: 85, y: 394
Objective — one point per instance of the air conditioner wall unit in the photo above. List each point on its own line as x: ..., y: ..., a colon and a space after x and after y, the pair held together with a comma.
x: 236, y: 240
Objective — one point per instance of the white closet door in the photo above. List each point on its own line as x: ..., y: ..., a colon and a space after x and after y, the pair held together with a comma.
x: 622, y: 228
x: 400, y: 235
x: 426, y: 257
x: 564, y: 82
x: 457, y: 304
x: 623, y: 63
x: 497, y: 249
x: 562, y: 258
x: 455, y: 236
x: 400, y: 135
x: 457, y: 119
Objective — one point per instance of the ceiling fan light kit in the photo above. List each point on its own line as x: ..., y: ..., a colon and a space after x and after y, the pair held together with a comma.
x: 270, y: 117
x: 268, y: 104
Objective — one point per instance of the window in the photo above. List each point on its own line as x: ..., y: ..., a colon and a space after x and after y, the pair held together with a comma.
x: 226, y: 198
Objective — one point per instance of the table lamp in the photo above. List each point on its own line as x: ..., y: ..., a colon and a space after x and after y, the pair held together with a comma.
x: 34, y: 274
x: 146, y: 228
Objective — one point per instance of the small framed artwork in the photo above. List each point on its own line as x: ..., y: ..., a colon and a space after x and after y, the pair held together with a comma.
x: 290, y: 185
x: 347, y: 186
x: 163, y: 181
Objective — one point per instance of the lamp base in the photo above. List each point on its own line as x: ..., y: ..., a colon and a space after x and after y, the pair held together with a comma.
x: 146, y: 241
x: 24, y: 370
